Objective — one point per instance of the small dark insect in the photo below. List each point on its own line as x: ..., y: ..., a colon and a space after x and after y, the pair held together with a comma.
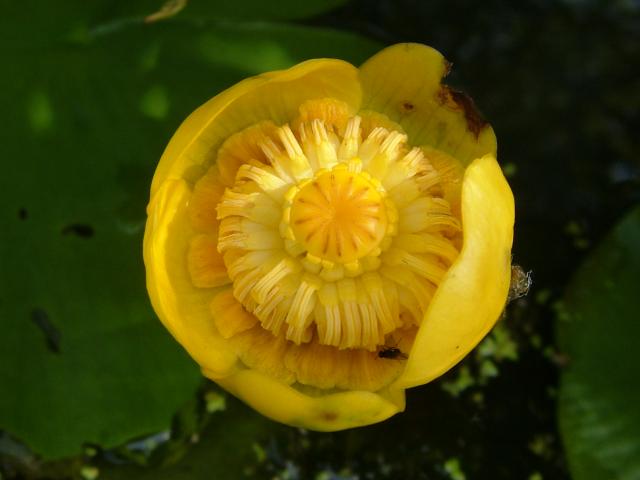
x: 392, y: 353
x: 520, y: 283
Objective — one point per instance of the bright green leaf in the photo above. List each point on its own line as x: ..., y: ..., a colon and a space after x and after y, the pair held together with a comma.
x: 600, y: 389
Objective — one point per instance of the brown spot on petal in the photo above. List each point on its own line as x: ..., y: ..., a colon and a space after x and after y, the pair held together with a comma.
x: 329, y: 416
x: 461, y: 102
x: 407, y: 107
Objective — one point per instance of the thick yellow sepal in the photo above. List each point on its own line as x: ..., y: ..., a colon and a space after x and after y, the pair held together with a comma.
x: 325, y: 413
x: 473, y: 292
x: 404, y: 83
x: 183, y: 309
x: 274, y: 96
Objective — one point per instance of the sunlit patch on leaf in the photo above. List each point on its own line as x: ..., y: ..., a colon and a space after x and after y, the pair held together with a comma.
x: 155, y: 103
x: 40, y: 113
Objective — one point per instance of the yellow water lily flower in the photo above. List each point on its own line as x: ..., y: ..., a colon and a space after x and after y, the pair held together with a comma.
x: 321, y: 238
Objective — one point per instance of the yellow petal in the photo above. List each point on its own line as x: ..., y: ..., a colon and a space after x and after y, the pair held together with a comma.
x: 473, y: 293
x: 260, y: 350
x: 272, y: 96
x: 182, y: 308
x: 202, y: 205
x: 327, y: 413
x: 205, y: 263
x: 326, y: 367
x: 243, y: 147
x: 372, y: 120
x: 230, y: 316
x: 403, y: 82
x: 332, y: 112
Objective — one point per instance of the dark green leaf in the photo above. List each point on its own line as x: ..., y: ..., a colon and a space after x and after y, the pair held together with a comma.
x: 598, y: 331
x: 88, y: 110
x: 225, y: 449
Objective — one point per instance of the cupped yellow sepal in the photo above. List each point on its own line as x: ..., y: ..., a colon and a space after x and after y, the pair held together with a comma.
x: 322, y: 412
x: 184, y: 310
x: 273, y: 96
x: 473, y: 293
x: 404, y: 83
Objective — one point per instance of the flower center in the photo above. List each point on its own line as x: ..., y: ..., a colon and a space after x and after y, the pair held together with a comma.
x: 338, y: 216
x: 332, y: 236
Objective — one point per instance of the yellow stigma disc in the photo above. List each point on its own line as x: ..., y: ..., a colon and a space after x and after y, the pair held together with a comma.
x: 339, y: 216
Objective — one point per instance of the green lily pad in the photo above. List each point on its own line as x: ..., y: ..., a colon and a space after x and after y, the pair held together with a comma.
x: 88, y: 110
x: 229, y: 447
x: 598, y: 331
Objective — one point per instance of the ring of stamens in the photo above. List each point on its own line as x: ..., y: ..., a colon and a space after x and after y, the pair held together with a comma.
x: 335, y: 237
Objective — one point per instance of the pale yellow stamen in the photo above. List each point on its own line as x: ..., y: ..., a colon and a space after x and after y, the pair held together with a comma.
x: 349, y: 147
x: 320, y: 141
x: 389, y: 150
x: 410, y: 165
x: 424, y: 265
x: 271, y: 279
x: 298, y: 163
x: 301, y: 308
x: 268, y: 182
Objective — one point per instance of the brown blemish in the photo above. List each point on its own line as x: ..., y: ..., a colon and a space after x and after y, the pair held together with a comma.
x: 461, y: 102
x: 329, y: 416
x: 407, y: 107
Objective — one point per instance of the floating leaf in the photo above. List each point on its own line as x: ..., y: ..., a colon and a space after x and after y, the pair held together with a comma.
x: 600, y: 388
x: 225, y: 449
x: 88, y: 109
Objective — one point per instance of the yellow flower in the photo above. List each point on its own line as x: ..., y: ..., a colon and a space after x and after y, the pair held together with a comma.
x: 319, y: 239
